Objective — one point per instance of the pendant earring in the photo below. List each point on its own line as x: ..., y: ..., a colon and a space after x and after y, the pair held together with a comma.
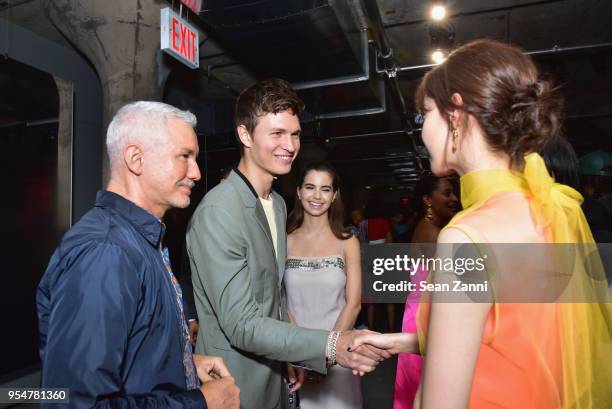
x: 455, y: 136
x: 429, y: 213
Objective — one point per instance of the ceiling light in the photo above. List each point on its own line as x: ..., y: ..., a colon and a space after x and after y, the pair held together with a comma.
x: 438, y: 12
x: 437, y: 56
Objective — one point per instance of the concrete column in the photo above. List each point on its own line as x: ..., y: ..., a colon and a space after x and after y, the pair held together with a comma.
x: 121, y: 39
x: 65, y: 89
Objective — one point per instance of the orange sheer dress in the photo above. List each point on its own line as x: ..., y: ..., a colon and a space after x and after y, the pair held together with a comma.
x: 544, y: 355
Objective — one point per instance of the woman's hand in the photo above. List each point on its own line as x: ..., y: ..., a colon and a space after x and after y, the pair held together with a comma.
x: 395, y: 343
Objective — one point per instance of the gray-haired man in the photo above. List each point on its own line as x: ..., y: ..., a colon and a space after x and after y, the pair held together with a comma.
x: 111, y: 319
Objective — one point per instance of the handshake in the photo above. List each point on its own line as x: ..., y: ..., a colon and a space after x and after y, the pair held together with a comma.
x: 362, y: 350
x: 359, y: 350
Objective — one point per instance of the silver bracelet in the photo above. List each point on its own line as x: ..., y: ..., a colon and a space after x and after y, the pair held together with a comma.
x: 330, y: 351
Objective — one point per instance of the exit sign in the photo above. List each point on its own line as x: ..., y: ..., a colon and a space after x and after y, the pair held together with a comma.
x: 194, y: 5
x: 179, y: 38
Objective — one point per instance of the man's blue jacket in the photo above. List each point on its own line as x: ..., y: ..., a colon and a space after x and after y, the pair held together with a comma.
x: 107, y: 310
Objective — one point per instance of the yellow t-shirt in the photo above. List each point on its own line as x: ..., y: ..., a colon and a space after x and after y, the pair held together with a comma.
x: 268, y: 207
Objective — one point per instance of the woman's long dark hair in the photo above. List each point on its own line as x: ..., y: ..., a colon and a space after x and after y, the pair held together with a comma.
x: 561, y: 161
x: 335, y: 213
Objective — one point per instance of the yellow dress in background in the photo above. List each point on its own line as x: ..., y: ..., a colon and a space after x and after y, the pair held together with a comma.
x: 541, y: 355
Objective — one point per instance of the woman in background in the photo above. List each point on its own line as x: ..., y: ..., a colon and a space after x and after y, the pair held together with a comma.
x: 435, y: 204
x: 323, y: 279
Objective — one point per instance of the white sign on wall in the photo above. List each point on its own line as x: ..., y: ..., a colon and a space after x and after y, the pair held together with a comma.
x: 179, y: 38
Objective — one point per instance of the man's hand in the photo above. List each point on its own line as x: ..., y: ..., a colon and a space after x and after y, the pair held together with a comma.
x: 295, y: 377
x: 193, y: 331
x: 361, y: 360
x: 210, y: 367
x: 221, y: 393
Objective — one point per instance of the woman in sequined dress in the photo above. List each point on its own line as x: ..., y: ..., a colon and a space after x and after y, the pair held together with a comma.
x: 323, y: 279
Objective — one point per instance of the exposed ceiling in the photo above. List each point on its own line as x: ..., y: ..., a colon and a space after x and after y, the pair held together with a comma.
x: 311, y: 40
x: 261, y: 37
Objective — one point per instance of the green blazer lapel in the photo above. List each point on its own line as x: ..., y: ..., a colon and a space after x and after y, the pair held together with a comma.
x: 281, y: 234
x: 243, y: 187
x: 249, y: 198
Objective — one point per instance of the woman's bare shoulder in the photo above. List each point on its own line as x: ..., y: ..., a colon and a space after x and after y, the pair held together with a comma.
x: 505, y: 218
x: 351, y: 245
x: 425, y: 232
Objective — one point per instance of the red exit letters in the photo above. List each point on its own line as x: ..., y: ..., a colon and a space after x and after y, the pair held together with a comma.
x: 183, y: 40
x: 179, y: 38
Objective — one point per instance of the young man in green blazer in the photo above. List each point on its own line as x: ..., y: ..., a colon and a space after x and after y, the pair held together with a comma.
x: 237, y: 246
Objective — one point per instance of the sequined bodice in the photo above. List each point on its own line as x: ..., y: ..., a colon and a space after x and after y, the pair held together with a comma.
x: 315, y: 263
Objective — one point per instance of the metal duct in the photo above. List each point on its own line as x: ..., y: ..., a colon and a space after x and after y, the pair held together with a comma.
x: 318, y: 45
x: 298, y: 40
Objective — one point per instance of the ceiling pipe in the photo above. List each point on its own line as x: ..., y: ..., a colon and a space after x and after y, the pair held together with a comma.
x: 371, y: 135
x: 34, y: 122
x: 413, y: 67
x: 557, y: 49
x: 45, y: 121
x: 376, y: 158
x: 553, y: 50
x: 386, y: 53
x: 366, y: 135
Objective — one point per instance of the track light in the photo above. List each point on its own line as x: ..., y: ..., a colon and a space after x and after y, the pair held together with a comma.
x: 442, y: 35
x: 438, y: 12
x: 437, y: 56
